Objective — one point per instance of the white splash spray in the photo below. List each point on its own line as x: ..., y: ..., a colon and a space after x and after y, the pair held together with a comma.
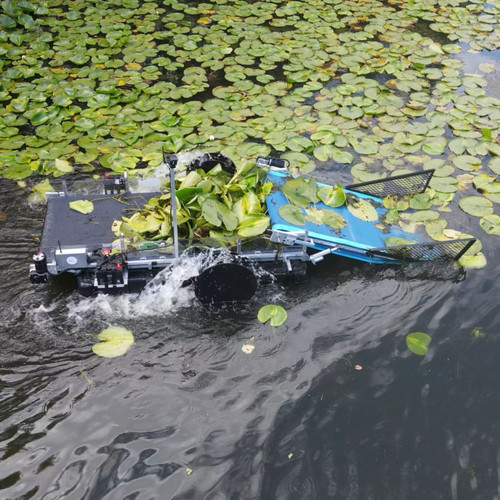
x: 163, y: 295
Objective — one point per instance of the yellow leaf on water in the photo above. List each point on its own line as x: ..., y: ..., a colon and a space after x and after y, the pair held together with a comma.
x: 63, y: 166
x: 116, y: 341
x: 477, y: 261
x: 133, y: 66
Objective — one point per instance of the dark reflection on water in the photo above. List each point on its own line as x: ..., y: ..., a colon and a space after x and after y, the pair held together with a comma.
x: 187, y: 415
x: 397, y: 429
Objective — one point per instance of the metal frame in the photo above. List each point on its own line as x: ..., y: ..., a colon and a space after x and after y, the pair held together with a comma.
x: 290, y: 245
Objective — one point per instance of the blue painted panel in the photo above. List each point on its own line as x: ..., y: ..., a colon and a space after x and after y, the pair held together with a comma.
x: 358, y: 234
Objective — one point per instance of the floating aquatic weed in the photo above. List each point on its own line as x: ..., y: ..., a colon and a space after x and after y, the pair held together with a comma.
x: 276, y: 315
x: 115, y: 341
x: 491, y: 224
x: 40, y: 190
x: 418, y: 343
x: 476, y: 205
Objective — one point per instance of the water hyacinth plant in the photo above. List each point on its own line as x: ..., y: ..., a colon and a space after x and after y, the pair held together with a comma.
x: 214, y: 205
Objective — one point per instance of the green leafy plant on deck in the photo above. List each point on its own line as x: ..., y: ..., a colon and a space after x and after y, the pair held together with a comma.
x: 213, y: 206
x: 304, y: 195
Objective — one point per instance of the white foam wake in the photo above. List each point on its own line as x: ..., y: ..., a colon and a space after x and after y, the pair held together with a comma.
x: 163, y: 295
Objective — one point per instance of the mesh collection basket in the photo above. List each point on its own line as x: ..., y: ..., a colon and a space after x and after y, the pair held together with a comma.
x: 439, y: 250
x: 399, y: 185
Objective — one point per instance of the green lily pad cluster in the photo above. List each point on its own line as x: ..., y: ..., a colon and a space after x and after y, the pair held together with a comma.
x: 304, y: 195
x: 411, y: 214
x: 214, y: 207
x: 376, y: 87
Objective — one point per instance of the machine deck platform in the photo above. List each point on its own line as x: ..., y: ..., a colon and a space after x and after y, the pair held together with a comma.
x: 85, y: 245
x: 65, y: 227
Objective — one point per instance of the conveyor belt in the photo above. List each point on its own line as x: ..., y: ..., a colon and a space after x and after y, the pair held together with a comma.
x: 66, y: 227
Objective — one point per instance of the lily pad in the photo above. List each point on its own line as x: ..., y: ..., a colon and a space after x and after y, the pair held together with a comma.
x: 40, y: 190
x: 293, y: 215
x: 277, y: 315
x: 315, y: 215
x: 494, y: 165
x: 334, y: 220
x: 491, y: 224
x: 116, y: 341
x: 63, y: 166
x: 398, y: 242
x: 332, y: 196
x: 418, y: 343
x: 476, y: 205
x: 362, y: 209
x: 351, y: 112
x: 421, y: 201
x: 82, y: 206
x: 466, y: 162
x: 299, y: 192
x: 444, y: 184
x: 217, y: 214
x: 476, y: 261
x: 253, y: 225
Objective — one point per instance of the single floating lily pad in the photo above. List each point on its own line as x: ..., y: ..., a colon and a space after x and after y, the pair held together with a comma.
x: 418, y: 343
x: 476, y: 261
x: 476, y: 205
x: 82, y: 206
x: 116, y: 341
x: 491, y: 224
x: 276, y: 314
x: 39, y: 195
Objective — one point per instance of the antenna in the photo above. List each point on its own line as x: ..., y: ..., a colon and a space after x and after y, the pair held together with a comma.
x: 172, y: 160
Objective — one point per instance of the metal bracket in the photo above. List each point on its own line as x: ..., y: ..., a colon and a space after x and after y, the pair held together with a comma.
x: 292, y: 238
x: 288, y: 264
x: 319, y: 256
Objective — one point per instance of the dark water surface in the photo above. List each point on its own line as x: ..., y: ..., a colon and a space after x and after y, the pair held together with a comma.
x: 297, y: 419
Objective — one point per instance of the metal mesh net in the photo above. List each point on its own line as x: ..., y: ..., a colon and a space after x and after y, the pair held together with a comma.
x: 439, y: 250
x: 400, y: 185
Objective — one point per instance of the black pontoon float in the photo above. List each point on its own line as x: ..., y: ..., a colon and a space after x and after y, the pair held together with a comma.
x: 81, y: 244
